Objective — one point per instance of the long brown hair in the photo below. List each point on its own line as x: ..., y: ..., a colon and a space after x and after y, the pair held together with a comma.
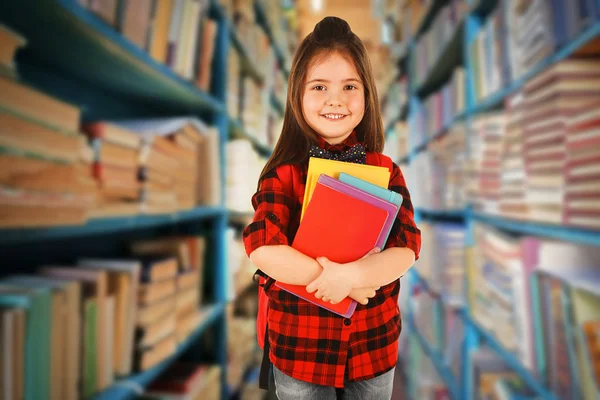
x: 330, y: 35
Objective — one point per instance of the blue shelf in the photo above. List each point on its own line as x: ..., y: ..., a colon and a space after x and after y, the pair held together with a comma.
x: 567, y: 50
x: 458, y: 305
x: 106, y: 225
x: 261, y: 18
x: 551, y: 231
x: 447, y: 61
x: 99, y: 55
x: 442, y: 214
x: 237, y: 131
x: 126, y: 388
x: 248, y: 66
x: 509, y: 359
x: 438, y: 361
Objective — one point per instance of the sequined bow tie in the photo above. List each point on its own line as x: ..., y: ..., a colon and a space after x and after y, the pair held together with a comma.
x: 355, y: 154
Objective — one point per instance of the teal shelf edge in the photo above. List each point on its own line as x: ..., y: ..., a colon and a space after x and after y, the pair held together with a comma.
x: 569, y: 234
x: 447, y: 61
x: 237, y: 131
x: 509, y: 359
x: 567, y: 50
x: 248, y: 66
x: 96, y: 51
x: 438, y: 361
x: 129, y: 387
x: 106, y: 225
x: 442, y: 214
x: 261, y: 18
x: 429, y: 17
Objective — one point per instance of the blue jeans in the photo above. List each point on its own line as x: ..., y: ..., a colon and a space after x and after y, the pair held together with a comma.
x: 378, y: 388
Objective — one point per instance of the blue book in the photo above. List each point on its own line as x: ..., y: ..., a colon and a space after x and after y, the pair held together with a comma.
x: 377, y: 191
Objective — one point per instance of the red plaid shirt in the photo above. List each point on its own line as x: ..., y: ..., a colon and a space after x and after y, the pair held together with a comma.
x: 307, y: 342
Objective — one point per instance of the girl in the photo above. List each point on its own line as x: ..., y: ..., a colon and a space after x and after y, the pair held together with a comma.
x: 333, y: 112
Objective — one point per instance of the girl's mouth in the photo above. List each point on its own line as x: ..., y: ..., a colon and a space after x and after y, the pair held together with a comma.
x: 334, y: 117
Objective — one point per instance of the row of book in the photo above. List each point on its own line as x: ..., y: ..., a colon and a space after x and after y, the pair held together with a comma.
x: 69, y: 331
x: 438, y: 110
x: 177, y: 33
x: 437, y: 177
x: 283, y: 23
x: 186, y: 380
x: 536, y: 160
x: 540, y: 299
x: 515, y: 39
x: 396, y: 97
x: 432, y: 44
x: 397, y: 143
x: 60, y: 171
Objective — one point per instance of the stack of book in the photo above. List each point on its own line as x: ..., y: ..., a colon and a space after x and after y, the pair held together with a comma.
x: 253, y: 36
x: 444, y: 105
x: 116, y: 163
x: 485, y: 153
x: 551, y: 99
x: 351, y: 195
x: 40, y: 150
x: 234, y: 80
x: 243, y: 169
x: 512, y: 176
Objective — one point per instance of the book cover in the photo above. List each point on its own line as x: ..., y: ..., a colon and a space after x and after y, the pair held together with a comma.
x: 366, y: 221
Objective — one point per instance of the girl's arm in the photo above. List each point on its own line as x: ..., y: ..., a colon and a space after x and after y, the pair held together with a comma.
x: 285, y: 264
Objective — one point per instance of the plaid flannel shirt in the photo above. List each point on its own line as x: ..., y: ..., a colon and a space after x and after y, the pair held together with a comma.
x: 306, y: 342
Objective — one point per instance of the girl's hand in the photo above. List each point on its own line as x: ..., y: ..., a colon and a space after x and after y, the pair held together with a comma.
x: 362, y: 295
x: 335, y: 282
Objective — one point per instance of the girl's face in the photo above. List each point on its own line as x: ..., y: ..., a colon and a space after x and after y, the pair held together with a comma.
x: 333, y: 102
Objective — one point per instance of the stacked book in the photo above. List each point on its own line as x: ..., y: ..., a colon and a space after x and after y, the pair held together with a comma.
x: 234, y: 80
x: 485, y: 153
x: 552, y: 99
x: 243, y: 169
x: 40, y: 151
x: 351, y: 195
x: 115, y: 168
x: 444, y: 105
x: 253, y: 37
x: 513, y: 177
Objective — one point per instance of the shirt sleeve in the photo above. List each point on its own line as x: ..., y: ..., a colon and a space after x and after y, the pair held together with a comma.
x: 272, y: 207
x: 404, y: 231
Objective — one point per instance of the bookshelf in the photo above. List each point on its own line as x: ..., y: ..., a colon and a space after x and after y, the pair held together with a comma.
x: 110, y: 77
x: 457, y: 52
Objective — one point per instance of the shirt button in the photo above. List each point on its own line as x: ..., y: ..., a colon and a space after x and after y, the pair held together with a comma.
x: 347, y: 321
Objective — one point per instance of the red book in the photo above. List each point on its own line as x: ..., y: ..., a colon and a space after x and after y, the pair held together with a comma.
x: 342, y: 228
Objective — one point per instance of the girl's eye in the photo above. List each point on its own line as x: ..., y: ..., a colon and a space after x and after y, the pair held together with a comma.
x: 350, y: 87
x: 319, y: 87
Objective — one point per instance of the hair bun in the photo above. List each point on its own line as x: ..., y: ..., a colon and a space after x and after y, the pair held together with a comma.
x: 331, y: 28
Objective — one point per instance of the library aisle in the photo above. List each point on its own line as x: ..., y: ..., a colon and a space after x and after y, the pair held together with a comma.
x: 132, y: 136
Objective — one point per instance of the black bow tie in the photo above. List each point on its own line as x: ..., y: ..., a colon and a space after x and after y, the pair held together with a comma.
x: 355, y: 154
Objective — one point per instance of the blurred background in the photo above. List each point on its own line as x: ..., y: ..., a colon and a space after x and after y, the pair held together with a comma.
x: 132, y: 134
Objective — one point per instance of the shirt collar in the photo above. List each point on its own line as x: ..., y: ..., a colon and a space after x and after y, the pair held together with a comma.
x: 345, y: 145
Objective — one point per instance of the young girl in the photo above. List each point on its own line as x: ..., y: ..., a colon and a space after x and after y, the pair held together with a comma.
x: 332, y: 112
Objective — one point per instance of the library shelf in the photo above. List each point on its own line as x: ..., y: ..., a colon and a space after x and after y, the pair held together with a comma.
x: 135, y: 384
x: 261, y: 18
x: 508, y: 358
x: 567, y: 50
x: 551, y: 231
x: 438, y: 361
x: 248, y: 65
x: 236, y: 130
x: 436, y: 5
x: 449, y: 58
x: 458, y: 214
x: 453, y: 303
x: 441, y: 132
x: 107, y: 225
x: 95, y: 53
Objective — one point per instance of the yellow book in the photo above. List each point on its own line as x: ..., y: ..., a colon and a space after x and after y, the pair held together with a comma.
x: 379, y: 176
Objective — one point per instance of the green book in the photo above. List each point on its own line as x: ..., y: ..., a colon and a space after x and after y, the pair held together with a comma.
x: 89, y: 348
x: 38, y: 303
